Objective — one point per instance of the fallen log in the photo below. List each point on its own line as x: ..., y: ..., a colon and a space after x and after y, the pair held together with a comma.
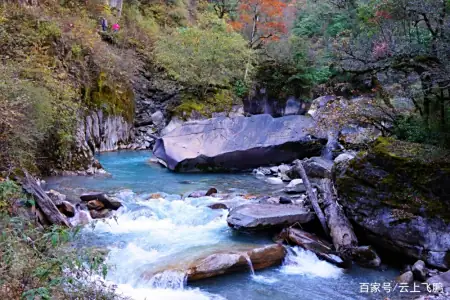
x: 341, y: 231
x: 312, y: 197
x: 43, y: 201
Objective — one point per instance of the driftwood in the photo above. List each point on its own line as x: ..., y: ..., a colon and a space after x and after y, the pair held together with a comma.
x: 43, y: 201
x: 312, y: 197
x: 342, y: 234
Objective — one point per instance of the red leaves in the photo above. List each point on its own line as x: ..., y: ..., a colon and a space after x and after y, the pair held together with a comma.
x: 264, y: 17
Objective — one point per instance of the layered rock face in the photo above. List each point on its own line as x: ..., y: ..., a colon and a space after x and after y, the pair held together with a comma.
x: 399, y: 194
x: 238, y: 143
x: 96, y: 132
x: 105, y: 133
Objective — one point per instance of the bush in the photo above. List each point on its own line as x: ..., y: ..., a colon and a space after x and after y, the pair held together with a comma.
x: 205, y: 56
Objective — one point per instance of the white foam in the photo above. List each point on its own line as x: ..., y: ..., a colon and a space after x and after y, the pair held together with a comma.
x: 302, y: 262
x: 165, y: 294
x: 264, y: 279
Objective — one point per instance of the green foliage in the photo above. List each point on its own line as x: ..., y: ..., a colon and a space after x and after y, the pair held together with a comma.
x: 413, y: 129
x: 204, y: 56
x: 38, y: 263
x: 219, y: 101
x: 9, y: 191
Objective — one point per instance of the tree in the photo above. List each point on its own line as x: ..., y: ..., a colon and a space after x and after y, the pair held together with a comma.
x: 224, y: 7
x: 260, y: 20
x: 205, y: 56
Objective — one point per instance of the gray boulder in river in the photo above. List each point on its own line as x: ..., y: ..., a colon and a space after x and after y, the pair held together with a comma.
x: 224, y: 144
x: 398, y: 193
x: 263, y: 216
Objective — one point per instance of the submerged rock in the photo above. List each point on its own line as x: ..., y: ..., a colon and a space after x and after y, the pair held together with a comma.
x: 228, y: 262
x: 198, y: 194
x: 311, y: 242
x: 237, y: 143
x: 263, y: 216
x: 399, y: 194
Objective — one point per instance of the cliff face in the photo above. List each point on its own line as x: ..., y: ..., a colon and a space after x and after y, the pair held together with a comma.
x: 397, y: 193
x: 96, y: 132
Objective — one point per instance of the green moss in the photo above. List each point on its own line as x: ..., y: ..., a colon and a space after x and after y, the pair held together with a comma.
x: 112, y: 97
x: 221, y: 101
x: 410, y: 178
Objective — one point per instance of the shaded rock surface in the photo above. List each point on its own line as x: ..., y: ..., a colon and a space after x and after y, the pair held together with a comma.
x: 237, y: 143
x: 398, y: 193
x: 263, y: 216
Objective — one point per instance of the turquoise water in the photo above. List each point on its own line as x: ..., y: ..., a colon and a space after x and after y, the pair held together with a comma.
x: 156, y: 236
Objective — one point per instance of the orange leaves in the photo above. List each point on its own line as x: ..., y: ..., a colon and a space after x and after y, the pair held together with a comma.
x: 263, y: 18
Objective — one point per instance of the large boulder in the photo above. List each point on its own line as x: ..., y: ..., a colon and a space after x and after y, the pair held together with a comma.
x: 237, y: 143
x: 398, y: 193
x: 227, y: 262
x: 263, y: 216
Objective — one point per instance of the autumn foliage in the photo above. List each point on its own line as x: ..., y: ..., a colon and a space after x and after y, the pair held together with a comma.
x: 261, y: 20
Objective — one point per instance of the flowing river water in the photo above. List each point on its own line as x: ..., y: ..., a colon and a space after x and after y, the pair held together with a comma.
x: 158, y: 232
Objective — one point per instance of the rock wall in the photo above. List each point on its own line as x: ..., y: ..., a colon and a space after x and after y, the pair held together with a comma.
x: 398, y: 194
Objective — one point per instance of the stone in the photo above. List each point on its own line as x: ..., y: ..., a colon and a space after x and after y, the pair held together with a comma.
x: 406, y: 277
x: 285, y: 177
x: 108, y: 202
x: 218, y: 206
x: 443, y: 279
x: 344, y: 157
x: 228, y: 262
x: 311, y: 242
x: 158, y: 118
x: 95, y: 204
x: 56, y: 197
x: 283, y: 168
x: 285, y: 200
x: 66, y: 208
x: 274, y: 180
x: 274, y: 170
x: 101, y: 214
x: 398, y: 194
x: 366, y: 256
x: 174, y: 123
x: 264, y: 216
x: 295, y: 186
x: 419, y: 270
x: 264, y: 171
x: 198, y: 194
x: 318, y: 167
x: 240, y: 143
x: 319, y: 103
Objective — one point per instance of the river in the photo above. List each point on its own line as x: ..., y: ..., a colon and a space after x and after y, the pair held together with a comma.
x: 159, y: 232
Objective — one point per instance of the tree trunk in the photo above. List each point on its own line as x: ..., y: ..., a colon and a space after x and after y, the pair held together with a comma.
x: 43, y: 201
x: 341, y: 231
x: 312, y: 197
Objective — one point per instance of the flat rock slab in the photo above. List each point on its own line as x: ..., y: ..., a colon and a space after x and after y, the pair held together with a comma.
x: 226, y: 144
x: 263, y: 216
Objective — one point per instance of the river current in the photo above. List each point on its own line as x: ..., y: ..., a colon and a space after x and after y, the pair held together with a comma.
x: 160, y: 230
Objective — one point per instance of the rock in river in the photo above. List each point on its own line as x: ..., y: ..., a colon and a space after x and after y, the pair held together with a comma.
x: 237, y: 143
x: 263, y: 216
x: 398, y: 193
x: 227, y: 262
x: 311, y: 242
